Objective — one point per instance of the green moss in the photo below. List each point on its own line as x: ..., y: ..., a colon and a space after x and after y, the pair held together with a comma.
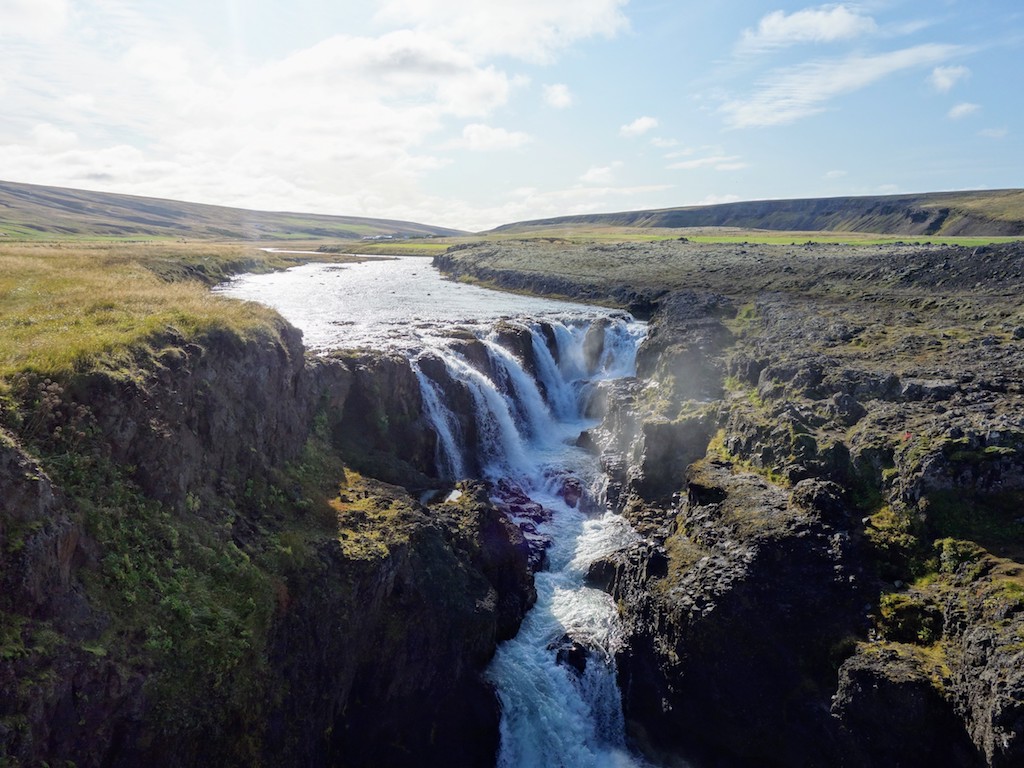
x: 955, y: 553
x: 745, y: 320
x: 959, y: 451
x: 909, y: 618
x: 185, y: 601
x: 372, y: 517
x: 894, y: 533
x: 12, y: 643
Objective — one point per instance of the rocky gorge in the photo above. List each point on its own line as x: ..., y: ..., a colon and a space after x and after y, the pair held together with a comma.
x: 243, y: 554
x: 823, y: 459
x: 191, y: 573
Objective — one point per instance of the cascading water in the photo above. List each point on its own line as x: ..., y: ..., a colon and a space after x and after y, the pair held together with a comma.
x: 556, y: 678
x: 514, y: 424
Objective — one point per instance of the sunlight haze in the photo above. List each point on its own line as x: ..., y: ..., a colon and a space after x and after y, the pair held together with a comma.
x: 470, y: 115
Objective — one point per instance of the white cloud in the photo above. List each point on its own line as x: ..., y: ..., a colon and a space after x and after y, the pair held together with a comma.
x: 638, y: 127
x: 477, y: 137
x: 558, y: 95
x: 33, y: 18
x: 811, y: 25
x: 162, y: 119
x: 835, y: 174
x: 788, y: 95
x: 994, y: 133
x: 534, y: 30
x: 604, y: 174
x: 715, y: 162
x: 962, y: 110
x: 662, y: 143
x: 943, y: 79
x: 53, y: 139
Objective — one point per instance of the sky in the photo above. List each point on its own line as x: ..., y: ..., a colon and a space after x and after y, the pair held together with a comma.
x: 473, y: 113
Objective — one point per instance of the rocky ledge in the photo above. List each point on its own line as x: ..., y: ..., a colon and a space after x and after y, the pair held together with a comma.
x: 824, y: 456
x: 194, y: 572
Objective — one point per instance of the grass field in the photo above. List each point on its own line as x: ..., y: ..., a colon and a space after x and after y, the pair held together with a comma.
x: 581, y: 234
x: 66, y: 306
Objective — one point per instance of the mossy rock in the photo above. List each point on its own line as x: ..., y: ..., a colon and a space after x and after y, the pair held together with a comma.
x: 910, y: 618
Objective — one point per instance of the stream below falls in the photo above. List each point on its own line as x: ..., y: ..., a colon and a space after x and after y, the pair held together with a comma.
x: 512, y: 420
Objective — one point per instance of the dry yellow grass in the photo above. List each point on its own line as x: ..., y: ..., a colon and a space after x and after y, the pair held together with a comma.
x: 63, y: 307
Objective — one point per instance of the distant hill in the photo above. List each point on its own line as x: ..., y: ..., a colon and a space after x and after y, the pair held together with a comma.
x: 988, y: 213
x: 34, y: 212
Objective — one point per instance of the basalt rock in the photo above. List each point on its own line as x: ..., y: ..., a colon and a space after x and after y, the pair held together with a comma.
x: 864, y: 411
x: 729, y: 634
x: 668, y: 449
x: 874, y: 685
x: 593, y: 344
x: 383, y: 656
x: 685, y: 343
x: 518, y: 340
x: 381, y: 428
x: 373, y: 645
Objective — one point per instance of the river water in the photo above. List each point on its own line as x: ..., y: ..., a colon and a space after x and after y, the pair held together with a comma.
x: 556, y: 678
x: 385, y: 303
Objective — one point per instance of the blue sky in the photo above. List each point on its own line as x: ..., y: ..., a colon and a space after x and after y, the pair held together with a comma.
x: 472, y: 114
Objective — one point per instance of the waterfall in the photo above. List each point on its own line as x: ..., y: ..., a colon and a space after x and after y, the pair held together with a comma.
x: 500, y: 445
x: 450, y: 462
x: 510, y: 416
x: 521, y: 390
x: 556, y: 679
x: 563, y: 395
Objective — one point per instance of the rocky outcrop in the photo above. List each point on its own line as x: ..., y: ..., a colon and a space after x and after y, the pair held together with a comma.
x: 639, y: 301
x: 380, y: 428
x: 381, y: 654
x: 827, y: 482
x: 39, y: 543
x: 881, y: 681
x: 734, y: 617
x: 191, y: 576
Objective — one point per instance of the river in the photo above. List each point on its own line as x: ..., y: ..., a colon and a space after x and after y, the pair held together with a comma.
x: 556, y: 678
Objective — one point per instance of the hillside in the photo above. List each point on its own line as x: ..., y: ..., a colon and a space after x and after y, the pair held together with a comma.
x: 28, y: 211
x: 985, y: 213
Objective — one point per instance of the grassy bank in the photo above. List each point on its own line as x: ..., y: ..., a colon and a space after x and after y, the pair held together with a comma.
x: 63, y: 306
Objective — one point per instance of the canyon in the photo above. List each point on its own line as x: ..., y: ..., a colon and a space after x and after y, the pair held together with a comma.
x: 245, y: 553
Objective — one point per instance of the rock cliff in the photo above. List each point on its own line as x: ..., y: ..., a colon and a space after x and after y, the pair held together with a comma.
x: 192, y: 574
x: 824, y: 459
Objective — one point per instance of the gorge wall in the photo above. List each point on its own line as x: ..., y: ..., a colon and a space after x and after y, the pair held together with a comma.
x: 827, y: 480
x: 191, y: 574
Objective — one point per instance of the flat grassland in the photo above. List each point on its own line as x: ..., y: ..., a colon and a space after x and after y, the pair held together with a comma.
x: 581, y: 234
x: 66, y: 306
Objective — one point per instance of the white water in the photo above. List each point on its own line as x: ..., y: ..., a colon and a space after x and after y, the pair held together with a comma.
x: 385, y: 303
x: 552, y: 715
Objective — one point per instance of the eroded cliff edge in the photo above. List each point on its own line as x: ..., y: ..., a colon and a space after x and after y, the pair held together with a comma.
x: 194, y: 574
x: 825, y: 457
